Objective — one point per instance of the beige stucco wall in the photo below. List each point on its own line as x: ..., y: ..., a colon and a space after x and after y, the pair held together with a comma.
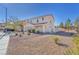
x: 48, y: 25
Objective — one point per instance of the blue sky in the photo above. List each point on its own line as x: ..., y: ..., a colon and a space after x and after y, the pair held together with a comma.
x: 24, y: 11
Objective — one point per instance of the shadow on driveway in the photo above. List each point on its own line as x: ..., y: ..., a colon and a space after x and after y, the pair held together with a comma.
x: 60, y: 33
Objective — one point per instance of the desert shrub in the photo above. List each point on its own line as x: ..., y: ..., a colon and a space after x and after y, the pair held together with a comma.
x: 56, y: 40
x: 20, y: 35
x: 29, y: 31
x: 16, y: 34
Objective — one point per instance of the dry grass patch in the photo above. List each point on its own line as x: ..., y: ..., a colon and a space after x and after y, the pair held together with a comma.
x: 75, y: 50
x: 55, y: 39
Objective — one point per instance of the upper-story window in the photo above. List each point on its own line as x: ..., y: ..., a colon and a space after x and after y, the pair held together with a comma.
x: 42, y: 18
x: 37, y: 20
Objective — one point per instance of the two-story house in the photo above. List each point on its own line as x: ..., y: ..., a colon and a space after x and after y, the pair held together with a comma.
x: 42, y: 23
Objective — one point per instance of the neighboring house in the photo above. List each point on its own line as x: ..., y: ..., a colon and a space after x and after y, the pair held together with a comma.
x: 43, y: 24
x: 2, y: 26
x: 26, y: 25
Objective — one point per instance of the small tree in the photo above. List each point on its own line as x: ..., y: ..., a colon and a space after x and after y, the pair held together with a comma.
x: 68, y: 24
x: 76, y: 24
x: 12, y: 22
x: 61, y: 25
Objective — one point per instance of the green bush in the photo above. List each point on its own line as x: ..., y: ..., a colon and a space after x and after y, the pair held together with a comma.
x: 38, y: 32
x: 33, y: 31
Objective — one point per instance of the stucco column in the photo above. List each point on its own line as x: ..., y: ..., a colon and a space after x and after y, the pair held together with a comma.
x: 43, y: 29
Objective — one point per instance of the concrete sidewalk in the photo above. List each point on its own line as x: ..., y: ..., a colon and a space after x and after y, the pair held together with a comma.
x: 3, y: 43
